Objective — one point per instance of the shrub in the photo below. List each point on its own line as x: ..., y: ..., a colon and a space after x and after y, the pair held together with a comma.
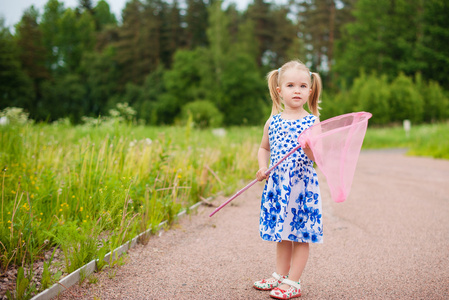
x: 437, y: 104
x: 373, y: 97
x: 203, y: 113
x: 14, y: 116
x: 405, y: 100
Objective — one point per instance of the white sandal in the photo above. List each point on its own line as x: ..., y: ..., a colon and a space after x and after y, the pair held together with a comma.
x: 269, y: 284
x: 294, y: 290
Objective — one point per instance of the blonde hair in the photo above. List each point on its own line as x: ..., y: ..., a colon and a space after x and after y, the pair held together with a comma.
x: 274, y: 81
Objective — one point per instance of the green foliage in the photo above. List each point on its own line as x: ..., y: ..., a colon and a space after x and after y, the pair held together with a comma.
x: 14, y: 116
x: 78, y: 243
x: 436, y: 102
x: 372, y: 94
x: 22, y: 289
x: 432, y: 51
x: 76, y: 36
x: 381, y: 39
x: 103, y: 16
x: 203, y: 113
x: 432, y: 140
x: 423, y: 140
x: 47, y: 278
x: 405, y: 101
x: 244, y: 100
x: 390, y: 101
x: 16, y: 88
x: 67, y: 96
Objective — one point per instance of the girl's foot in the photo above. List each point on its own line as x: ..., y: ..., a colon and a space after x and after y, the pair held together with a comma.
x: 293, y: 290
x: 269, y: 284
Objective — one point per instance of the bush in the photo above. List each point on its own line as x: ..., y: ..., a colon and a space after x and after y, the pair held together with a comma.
x: 373, y: 97
x: 405, y: 100
x: 203, y: 113
x: 436, y: 103
x: 14, y: 116
x: 334, y: 105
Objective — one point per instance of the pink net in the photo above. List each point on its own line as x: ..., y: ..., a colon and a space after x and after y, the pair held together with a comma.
x: 336, y: 145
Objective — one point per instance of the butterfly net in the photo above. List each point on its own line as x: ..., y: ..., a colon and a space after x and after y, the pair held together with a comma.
x: 336, y: 145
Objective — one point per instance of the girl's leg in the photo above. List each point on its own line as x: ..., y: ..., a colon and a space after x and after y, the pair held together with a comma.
x: 283, y: 257
x: 299, y: 257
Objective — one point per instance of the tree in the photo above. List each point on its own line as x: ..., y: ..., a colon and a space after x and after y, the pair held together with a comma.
x: 103, y: 16
x: 86, y: 5
x: 183, y: 83
x: 196, y: 21
x: 372, y: 94
x: 173, y: 35
x: 65, y: 97
x: 319, y: 26
x: 432, y: 50
x: 259, y: 13
x: 244, y: 92
x: 381, y: 39
x: 405, y: 100
x: 50, y: 28
x: 16, y: 88
x: 100, y: 75
x: 285, y: 32
x: 76, y: 36
x: 246, y: 42
x: 32, y: 54
x: 219, y: 42
x: 133, y: 65
x: 147, y: 106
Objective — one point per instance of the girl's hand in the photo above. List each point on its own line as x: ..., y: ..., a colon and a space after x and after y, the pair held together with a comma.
x: 308, y: 152
x: 261, y: 174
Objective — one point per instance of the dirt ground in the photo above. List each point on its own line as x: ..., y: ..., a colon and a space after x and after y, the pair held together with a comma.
x: 388, y: 240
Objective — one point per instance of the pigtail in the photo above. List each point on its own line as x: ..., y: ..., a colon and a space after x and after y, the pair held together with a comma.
x: 314, y: 98
x: 273, y: 80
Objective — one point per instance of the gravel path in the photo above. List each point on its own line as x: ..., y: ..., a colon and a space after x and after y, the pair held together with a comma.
x: 389, y: 240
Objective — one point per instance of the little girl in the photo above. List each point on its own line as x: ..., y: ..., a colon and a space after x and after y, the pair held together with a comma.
x: 291, y: 202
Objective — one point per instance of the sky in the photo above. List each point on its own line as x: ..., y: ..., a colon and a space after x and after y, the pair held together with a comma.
x: 12, y: 10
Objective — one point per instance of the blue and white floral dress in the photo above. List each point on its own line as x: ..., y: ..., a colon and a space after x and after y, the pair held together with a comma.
x: 291, y: 201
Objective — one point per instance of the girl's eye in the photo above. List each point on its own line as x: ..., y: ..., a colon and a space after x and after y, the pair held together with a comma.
x: 303, y: 86
x: 289, y: 85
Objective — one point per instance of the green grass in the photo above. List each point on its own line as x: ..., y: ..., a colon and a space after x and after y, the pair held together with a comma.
x: 83, y: 188
x: 423, y: 140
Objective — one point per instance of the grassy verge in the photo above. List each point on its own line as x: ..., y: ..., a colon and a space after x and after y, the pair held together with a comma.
x: 424, y: 140
x: 89, y: 189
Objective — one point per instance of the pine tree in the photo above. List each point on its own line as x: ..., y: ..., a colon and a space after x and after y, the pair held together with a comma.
x: 196, y: 20
x: 50, y: 28
x: 103, y: 16
x: 285, y: 32
x: 32, y: 54
x: 259, y: 13
x: 16, y: 88
x: 129, y: 54
x: 382, y: 39
x: 320, y: 23
x: 433, y: 40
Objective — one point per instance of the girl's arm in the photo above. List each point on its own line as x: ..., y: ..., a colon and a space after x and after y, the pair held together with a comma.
x: 307, y: 149
x: 263, y: 156
x: 308, y: 152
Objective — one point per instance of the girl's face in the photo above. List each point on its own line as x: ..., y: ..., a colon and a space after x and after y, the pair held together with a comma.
x: 295, y: 88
